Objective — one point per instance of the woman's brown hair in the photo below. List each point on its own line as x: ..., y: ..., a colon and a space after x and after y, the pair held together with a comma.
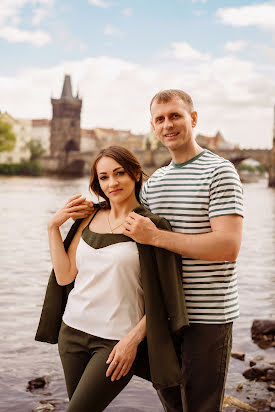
x: 127, y: 160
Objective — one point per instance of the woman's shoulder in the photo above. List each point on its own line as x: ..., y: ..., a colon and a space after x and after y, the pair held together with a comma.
x: 159, y: 221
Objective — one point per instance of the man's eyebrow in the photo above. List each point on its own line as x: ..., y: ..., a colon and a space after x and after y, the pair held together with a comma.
x: 104, y: 173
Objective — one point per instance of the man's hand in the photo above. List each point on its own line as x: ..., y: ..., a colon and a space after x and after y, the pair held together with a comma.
x: 141, y: 229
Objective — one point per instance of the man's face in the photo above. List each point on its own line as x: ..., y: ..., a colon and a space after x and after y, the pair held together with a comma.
x: 173, y: 123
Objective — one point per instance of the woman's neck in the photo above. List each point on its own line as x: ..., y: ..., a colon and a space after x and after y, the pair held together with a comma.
x: 121, y: 210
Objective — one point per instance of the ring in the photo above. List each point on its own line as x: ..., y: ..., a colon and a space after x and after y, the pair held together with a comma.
x: 115, y: 363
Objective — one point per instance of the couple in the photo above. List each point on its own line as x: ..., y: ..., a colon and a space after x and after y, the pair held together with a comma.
x: 115, y: 300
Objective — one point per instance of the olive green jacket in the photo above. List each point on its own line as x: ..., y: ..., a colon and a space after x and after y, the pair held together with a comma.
x: 165, y: 309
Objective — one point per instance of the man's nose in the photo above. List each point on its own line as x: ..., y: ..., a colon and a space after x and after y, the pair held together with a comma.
x: 168, y: 124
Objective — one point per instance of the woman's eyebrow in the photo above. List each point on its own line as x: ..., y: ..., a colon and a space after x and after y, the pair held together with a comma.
x: 104, y: 173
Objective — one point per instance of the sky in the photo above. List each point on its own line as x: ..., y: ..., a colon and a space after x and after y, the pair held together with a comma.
x: 119, y: 53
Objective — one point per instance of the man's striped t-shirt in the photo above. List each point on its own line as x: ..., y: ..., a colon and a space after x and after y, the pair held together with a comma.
x: 188, y: 195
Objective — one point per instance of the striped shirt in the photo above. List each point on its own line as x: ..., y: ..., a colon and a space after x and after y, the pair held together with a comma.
x: 188, y: 195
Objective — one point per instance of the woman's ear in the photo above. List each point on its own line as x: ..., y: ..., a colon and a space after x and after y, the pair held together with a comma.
x: 137, y: 176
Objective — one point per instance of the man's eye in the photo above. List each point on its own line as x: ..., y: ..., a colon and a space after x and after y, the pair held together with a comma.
x: 175, y: 115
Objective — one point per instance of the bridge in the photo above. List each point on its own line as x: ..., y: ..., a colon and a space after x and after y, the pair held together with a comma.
x: 78, y: 163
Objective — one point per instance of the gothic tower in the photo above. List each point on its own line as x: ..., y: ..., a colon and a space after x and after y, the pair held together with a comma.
x: 65, y: 124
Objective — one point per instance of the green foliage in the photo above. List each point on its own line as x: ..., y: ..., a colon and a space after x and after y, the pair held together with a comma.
x: 10, y: 169
x: 30, y: 168
x: 36, y: 149
x: 259, y: 169
x: 7, y: 137
x: 25, y: 168
x: 245, y: 166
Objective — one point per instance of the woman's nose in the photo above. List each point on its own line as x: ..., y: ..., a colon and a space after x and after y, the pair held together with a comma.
x: 113, y: 181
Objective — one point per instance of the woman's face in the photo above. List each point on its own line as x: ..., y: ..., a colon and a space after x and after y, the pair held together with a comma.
x: 116, y: 184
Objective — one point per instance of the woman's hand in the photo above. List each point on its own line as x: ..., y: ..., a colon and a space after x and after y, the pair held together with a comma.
x: 77, y: 207
x: 122, y: 357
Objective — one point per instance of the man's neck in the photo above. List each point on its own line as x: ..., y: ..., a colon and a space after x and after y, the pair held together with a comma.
x: 184, y: 154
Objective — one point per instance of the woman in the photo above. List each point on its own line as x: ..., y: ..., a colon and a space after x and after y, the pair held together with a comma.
x: 109, y: 278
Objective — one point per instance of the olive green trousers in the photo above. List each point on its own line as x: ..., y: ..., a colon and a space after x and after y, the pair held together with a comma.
x: 205, y: 353
x: 83, y: 358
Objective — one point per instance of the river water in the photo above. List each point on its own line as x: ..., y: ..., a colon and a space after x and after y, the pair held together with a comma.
x: 26, y: 205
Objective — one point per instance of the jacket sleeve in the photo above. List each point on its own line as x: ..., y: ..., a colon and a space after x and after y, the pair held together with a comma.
x: 55, y: 301
x: 169, y: 266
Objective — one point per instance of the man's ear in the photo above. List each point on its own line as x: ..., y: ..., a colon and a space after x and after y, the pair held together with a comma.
x: 152, y: 124
x: 194, y: 117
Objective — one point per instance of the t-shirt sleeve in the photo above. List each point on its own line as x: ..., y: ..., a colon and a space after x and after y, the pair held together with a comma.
x: 226, y: 193
x: 143, y: 197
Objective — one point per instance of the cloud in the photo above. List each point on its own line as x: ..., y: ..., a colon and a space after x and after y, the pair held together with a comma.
x: 11, y: 16
x: 127, y: 12
x: 235, y: 46
x: 37, y: 38
x: 112, y: 31
x: 38, y: 16
x: 199, y: 1
x: 261, y: 15
x: 229, y: 93
x: 183, y: 51
x: 100, y: 3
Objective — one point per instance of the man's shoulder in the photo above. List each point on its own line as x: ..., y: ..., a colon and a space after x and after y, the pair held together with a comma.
x: 159, y: 221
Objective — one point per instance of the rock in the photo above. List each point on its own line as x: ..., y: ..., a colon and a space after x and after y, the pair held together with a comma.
x: 239, y: 387
x: 231, y: 401
x: 238, y: 355
x: 44, y: 408
x: 263, y: 333
x: 264, y: 373
x: 49, y: 405
x: 270, y: 374
x: 253, y: 373
x: 37, y: 383
x: 252, y: 363
x: 272, y: 405
x: 271, y: 387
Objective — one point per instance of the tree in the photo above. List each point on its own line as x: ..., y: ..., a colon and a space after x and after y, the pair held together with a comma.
x: 7, y: 137
x: 36, y: 149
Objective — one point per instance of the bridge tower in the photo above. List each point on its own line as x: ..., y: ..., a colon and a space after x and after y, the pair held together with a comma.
x: 272, y: 168
x: 65, y: 124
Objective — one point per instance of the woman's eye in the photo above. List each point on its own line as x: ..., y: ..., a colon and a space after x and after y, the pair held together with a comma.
x: 103, y: 177
x: 121, y: 173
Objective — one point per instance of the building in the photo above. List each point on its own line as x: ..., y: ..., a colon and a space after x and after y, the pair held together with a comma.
x: 22, y: 128
x: 107, y: 137
x: 89, y: 141
x: 216, y: 142
x: 65, y: 124
x: 41, y: 131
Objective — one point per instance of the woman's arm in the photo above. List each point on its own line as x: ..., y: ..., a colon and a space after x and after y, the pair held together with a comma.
x: 64, y: 262
x: 124, y: 352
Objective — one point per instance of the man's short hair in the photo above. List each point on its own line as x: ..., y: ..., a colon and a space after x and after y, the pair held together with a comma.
x: 165, y: 96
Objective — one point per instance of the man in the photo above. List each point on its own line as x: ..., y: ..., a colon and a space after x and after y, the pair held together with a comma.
x: 201, y: 195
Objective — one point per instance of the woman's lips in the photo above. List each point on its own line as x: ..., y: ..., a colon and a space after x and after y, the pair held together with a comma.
x: 115, y: 191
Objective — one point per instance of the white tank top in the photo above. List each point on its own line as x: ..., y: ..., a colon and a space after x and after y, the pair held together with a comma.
x: 107, y: 299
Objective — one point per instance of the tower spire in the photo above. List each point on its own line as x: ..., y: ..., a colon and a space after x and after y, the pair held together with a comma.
x: 67, y: 88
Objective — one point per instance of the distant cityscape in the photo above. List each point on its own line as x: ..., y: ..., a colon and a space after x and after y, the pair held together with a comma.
x: 62, y: 147
x: 90, y: 140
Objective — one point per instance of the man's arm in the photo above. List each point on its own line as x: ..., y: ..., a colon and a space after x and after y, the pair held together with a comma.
x: 221, y: 244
